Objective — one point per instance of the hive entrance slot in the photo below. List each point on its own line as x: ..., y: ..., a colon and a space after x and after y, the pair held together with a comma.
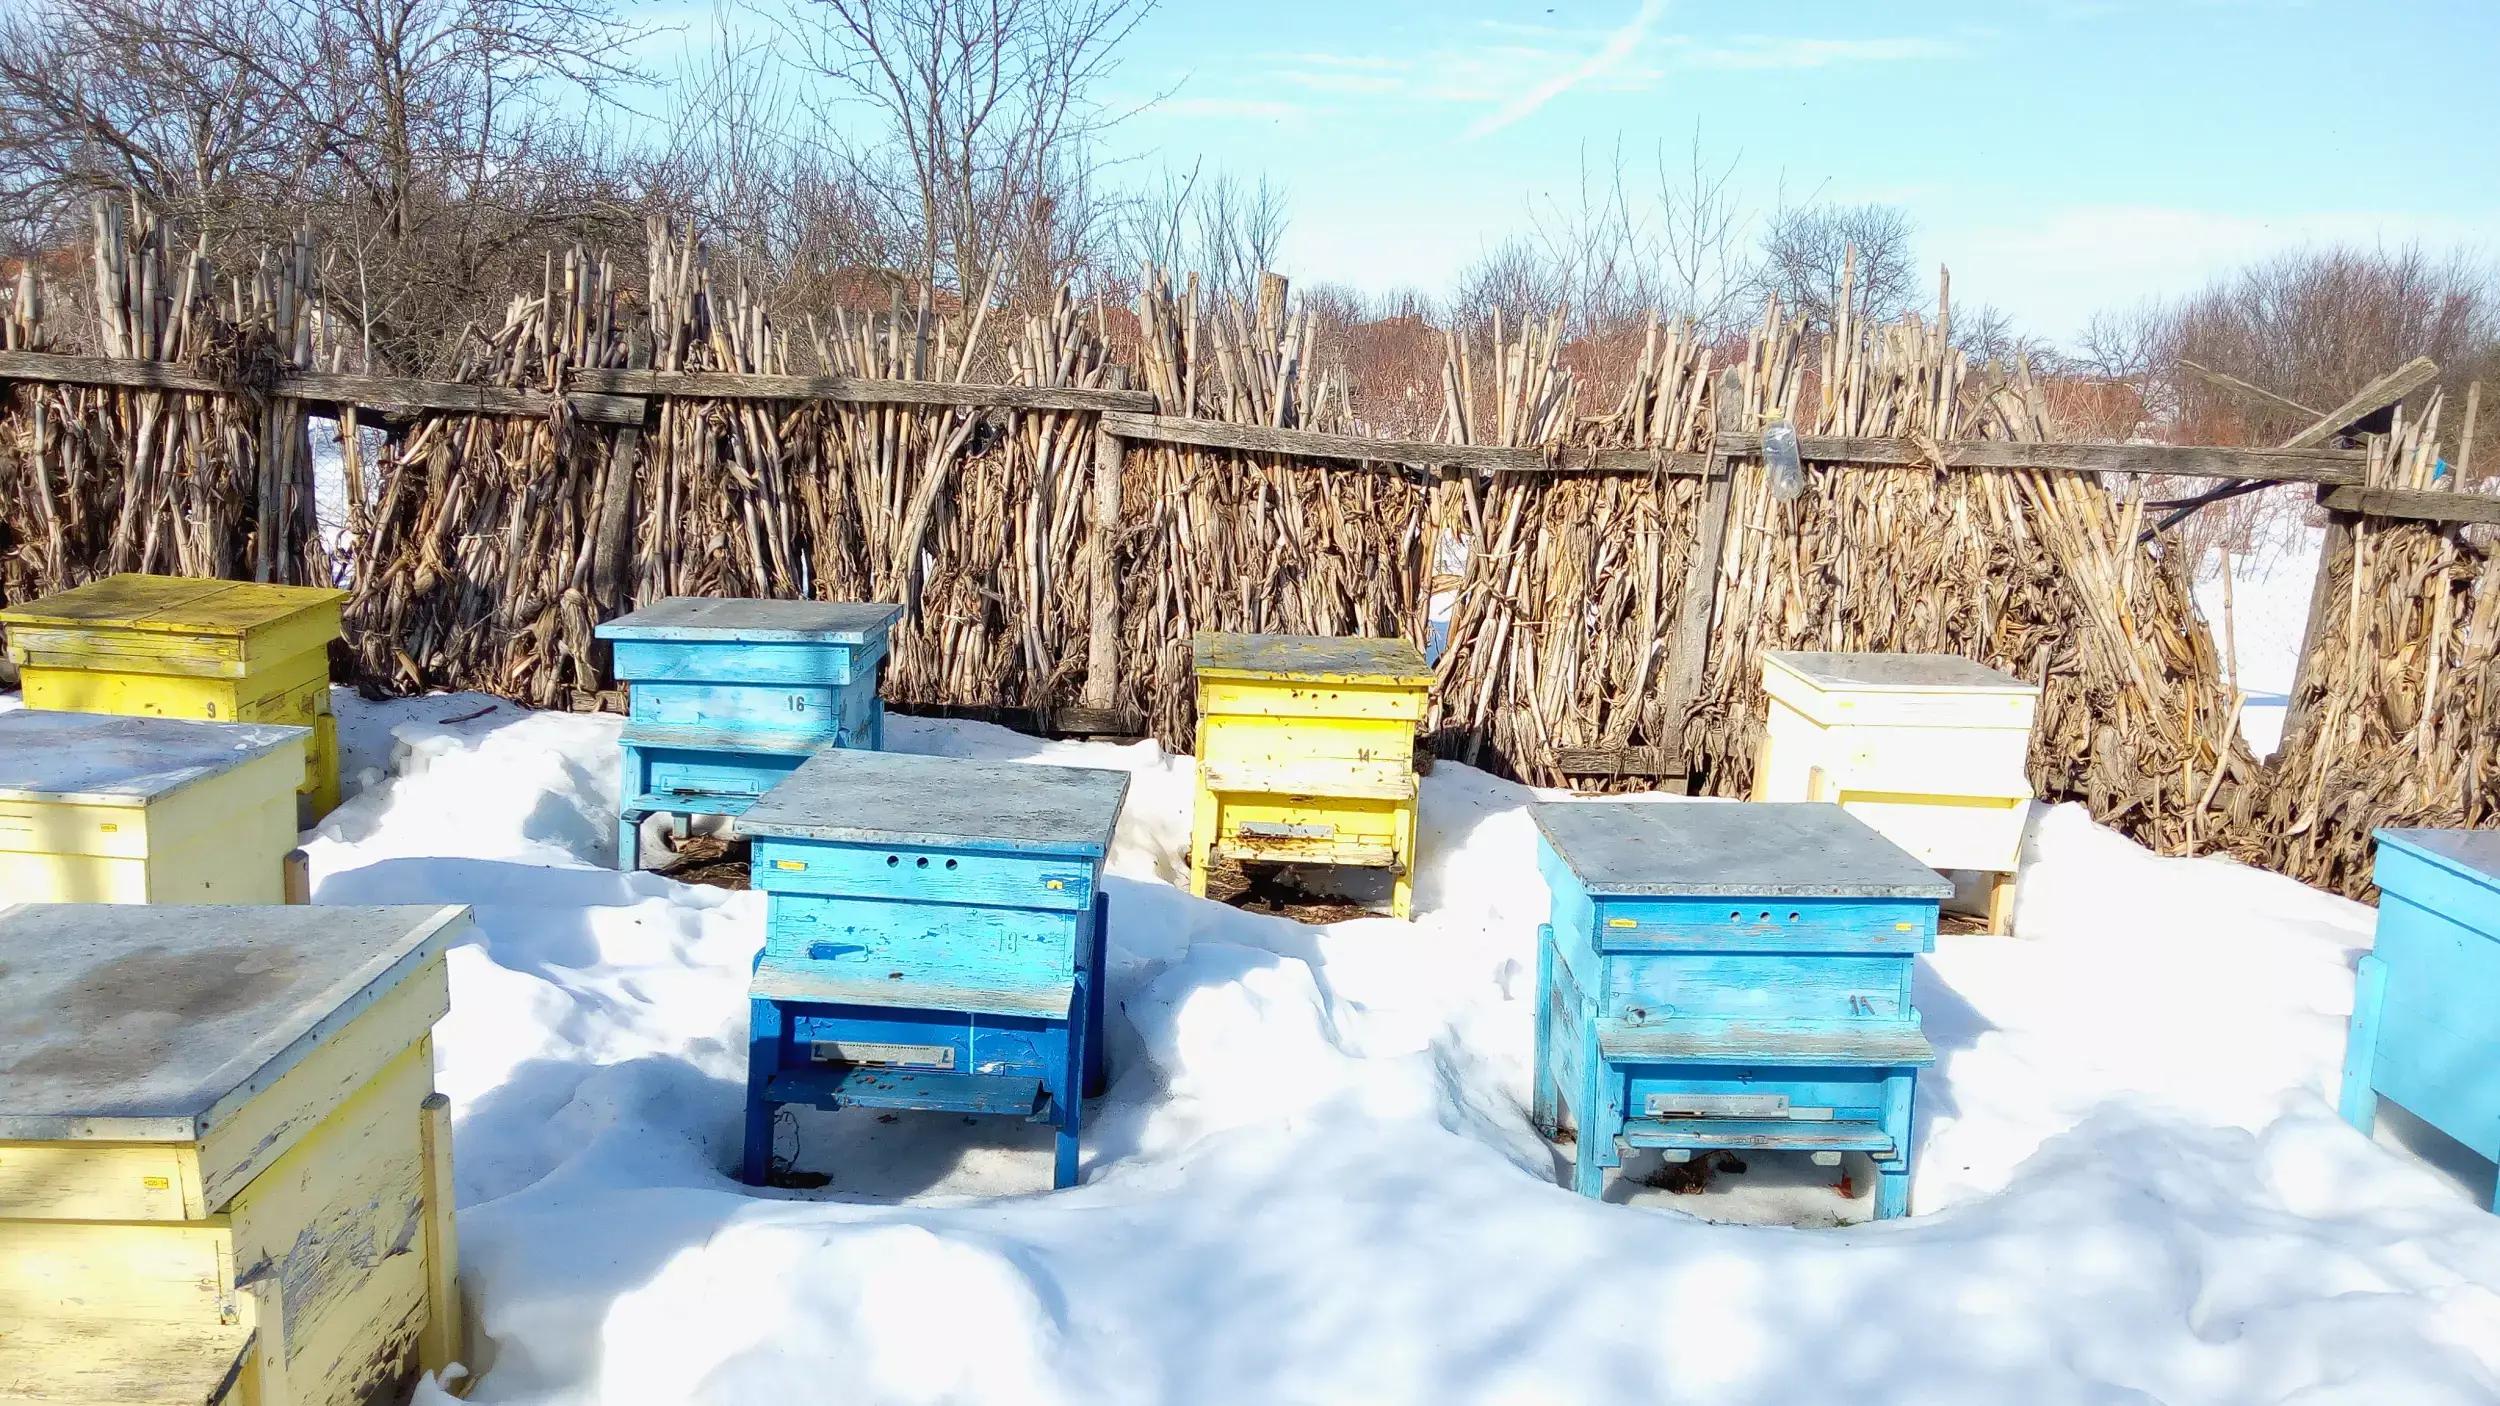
x: 884, y: 1055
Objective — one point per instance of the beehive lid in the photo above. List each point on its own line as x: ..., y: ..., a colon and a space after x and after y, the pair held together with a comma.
x: 896, y: 798
x: 107, y: 759
x: 1802, y: 849
x: 1322, y: 658
x: 174, y: 605
x: 2472, y: 854
x: 1924, y: 673
x: 152, y: 1024
x: 768, y: 621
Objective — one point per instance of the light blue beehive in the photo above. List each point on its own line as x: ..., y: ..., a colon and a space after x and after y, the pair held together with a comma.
x: 727, y: 697
x: 1730, y: 977
x: 2426, y: 1002
x: 934, y: 939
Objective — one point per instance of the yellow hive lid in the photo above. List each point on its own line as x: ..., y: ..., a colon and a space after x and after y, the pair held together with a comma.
x: 185, y: 605
x: 1321, y: 658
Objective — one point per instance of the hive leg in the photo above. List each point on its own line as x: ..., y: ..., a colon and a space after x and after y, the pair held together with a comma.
x: 763, y: 1058
x: 1544, y: 1091
x: 440, y: 1344
x: 1402, y: 888
x: 628, y: 842
x: 1892, y: 1172
x: 2001, y: 904
x: 2359, y: 1102
x: 1588, y: 1168
x: 1097, y: 1070
x: 1072, y: 1076
x: 1202, y: 839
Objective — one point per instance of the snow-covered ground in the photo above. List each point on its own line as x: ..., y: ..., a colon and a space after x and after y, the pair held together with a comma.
x: 1314, y: 1179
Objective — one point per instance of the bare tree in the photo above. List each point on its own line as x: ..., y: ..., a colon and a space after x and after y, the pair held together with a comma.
x: 441, y: 145
x: 989, y: 104
x: 1805, y: 249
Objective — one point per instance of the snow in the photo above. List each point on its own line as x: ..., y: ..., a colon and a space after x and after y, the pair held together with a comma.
x: 1314, y: 1180
x: 2268, y: 612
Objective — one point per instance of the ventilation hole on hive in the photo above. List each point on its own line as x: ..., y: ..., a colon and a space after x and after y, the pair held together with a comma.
x: 921, y: 863
x: 1792, y: 917
x: 950, y: 864
x: 1762, y: 917
x: 893, y: 859
x: 1735, y: 917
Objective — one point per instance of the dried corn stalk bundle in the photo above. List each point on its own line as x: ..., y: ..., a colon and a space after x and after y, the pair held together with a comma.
x: 2400, y: 694
x: 2039, y: 574
x: 974, y: 519
x: 99, y: 479
x: 1563, y: 588
x: 473, y: 568
x: 1218, y: 540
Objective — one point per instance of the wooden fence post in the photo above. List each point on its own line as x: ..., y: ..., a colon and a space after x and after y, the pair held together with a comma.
x: 1688, y: 653
x: 612, y: 551
x: 1100, y: 699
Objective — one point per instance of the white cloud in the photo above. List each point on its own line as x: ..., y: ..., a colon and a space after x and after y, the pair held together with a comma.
x: 1619, y: 46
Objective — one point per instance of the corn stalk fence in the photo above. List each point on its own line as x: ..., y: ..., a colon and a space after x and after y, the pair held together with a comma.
x: 1597, y: 557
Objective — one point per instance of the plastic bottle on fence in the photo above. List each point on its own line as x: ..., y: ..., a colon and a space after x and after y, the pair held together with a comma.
x: 1781, y: 461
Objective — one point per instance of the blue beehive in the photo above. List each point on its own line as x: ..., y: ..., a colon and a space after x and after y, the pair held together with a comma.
x: 933, y: 940
x: 2426, y: 1007
x: 727, y: 697
x: 1730, y: 977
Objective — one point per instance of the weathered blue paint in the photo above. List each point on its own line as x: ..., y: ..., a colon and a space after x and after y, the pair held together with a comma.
x: 2425, y: 1026
x: 1729, y: 976
x: 726, y: 697
x: 935, y: 937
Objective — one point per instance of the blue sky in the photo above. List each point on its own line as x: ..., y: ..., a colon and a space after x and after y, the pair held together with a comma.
x: 2060, y: 157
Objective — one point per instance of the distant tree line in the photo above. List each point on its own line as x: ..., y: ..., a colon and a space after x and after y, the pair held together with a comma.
x: 853, y: 153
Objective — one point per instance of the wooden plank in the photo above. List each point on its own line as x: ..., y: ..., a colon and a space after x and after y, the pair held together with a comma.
x: 612, y: 547
x: 104, y: 371
x: 126, y: 1364
x: 2367, y: 401
x: 2417, y: 504
x: 1688, y: 650
x: 2287, y: 465
x: 2246, y: 391
x: 1102, y: 642
x: 1638, y: 762
x: 730, y: 385
x: 406, y: 395
x: 1414, y: 453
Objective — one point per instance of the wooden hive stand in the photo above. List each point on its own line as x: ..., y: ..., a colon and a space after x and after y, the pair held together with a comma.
x: 225, y: 1175
x: 1306, y: 754
x: 2425, y: 1024
x: 1729, y: 977
x: 96, y: 808
x: 188, y: 647
x: 934, y: 939
x: 726, y: 697
x: 1929, y: 749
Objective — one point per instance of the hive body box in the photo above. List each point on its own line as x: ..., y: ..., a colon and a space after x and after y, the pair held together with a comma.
x: 103, y: 809
x: 934, y: 940
x: 1929, y: 749
x: 185, y: 647
x: 2426, y: 1005
x: 224, y: 1173
x: 1729, y: 977
x: 1306, y: 754
x: 727, y: 697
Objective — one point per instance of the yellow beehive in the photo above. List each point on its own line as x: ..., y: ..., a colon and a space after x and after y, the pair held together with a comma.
x: 184, y: 647
x: 1306, y: 753
x: 224, y: 1173
x: 1928, y: 749
x: 103, y: 809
